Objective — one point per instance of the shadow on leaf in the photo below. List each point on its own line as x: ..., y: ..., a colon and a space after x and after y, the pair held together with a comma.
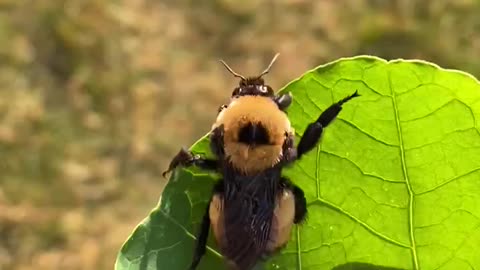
x: 363, y: 266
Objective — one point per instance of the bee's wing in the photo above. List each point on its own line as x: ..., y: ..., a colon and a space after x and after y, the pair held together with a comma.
x: 246, y: 235
x: 248, y: 221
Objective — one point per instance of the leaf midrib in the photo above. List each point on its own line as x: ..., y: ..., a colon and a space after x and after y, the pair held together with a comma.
x: 413, y: 246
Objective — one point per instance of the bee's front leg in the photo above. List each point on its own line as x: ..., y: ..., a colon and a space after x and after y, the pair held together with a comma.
x: 312, y: 134
x: 283, y: 101
x: 185, y: 158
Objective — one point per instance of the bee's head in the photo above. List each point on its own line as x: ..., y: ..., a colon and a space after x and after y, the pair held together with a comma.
x: 252, y: 86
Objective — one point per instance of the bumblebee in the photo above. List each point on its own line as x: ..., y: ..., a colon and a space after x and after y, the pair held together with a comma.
x: 253, y: 207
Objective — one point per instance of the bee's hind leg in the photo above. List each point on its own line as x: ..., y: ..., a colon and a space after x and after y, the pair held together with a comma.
x: 300, y: 201
x: 202, y: 236
x: 201, y: 243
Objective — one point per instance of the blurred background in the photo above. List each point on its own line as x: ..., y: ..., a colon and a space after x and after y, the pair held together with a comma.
x: 96, y: 96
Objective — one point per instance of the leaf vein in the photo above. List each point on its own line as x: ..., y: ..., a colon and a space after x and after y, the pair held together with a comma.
x: 366, y: 133
x: 361, y: 171
x: 351, y: 125
x: 188, y: 233
x: 444, y: 136
x: 451, y: 101
x: 299, y: 250
x: 357, y: 220
x: 405, y: 173
x: 448, y: 181
x: 350, y: 80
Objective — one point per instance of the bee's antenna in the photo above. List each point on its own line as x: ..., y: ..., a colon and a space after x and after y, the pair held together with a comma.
x: 269, y: 66
x: 233, y: 72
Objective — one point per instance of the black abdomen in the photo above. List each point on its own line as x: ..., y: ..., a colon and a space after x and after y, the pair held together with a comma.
x: 244, y: 224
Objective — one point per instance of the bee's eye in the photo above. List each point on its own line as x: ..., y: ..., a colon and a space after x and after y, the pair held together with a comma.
x: 265, y: 89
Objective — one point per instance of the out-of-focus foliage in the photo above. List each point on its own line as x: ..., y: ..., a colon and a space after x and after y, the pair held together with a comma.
x: 97, y: 95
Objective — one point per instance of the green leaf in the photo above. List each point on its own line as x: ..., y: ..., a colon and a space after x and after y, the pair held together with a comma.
x: 394, y: 183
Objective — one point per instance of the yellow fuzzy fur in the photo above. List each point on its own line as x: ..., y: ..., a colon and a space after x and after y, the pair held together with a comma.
x: 253, y: 109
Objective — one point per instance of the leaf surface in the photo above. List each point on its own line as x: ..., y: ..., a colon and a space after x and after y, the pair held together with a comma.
x: 394, y: 183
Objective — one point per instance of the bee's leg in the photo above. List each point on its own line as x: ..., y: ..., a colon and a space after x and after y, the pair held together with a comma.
x: 216, y: 142
x: 221, y: 108
x: 283, y: 101
x: 314, y: 130
x: 300, y: 201
x: 201, y: 243
x: 202, y: 236
x: 186, y: 158
x: 288, y: 149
